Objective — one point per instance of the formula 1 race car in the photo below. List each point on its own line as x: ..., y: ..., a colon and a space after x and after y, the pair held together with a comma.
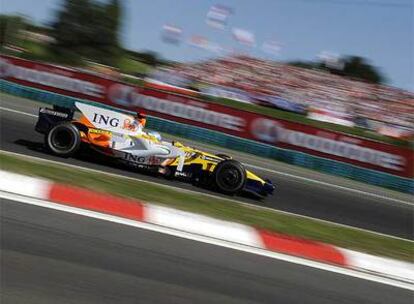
x: 121, y: 137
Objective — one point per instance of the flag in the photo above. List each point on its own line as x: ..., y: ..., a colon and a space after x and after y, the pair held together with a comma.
x: 198, y: 41
x: 271, y: 47
x: 171, y: 34
x: 203, y: 43
x: 244, y: 37
x: 331, y: 60
x: 217, y: 16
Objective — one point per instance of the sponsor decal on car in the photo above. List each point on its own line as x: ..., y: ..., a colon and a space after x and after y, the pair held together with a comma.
x: 130, y: 125
x: 98, y: 131
x: 182, y: 174
x: 147, y: 160
x: 105, y: 120
x: 209, y: 158
x: 109, y: 120
x: 134, y: 158
x: 54, y: 113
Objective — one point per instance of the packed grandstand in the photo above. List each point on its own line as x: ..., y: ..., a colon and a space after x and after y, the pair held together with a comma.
x: 319, y: 94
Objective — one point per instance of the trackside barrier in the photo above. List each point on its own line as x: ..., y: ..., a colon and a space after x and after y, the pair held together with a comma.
x: 232, y: 142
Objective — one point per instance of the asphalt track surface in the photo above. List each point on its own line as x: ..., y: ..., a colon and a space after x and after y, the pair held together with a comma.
x: 297, y: 196
x: 50, y: 256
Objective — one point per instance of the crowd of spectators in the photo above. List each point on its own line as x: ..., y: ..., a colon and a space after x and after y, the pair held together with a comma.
x: 312, y: 88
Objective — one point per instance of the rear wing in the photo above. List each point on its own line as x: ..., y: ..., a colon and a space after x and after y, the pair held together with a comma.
x: 48, y: 117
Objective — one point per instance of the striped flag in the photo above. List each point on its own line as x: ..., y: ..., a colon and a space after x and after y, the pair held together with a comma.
x: 244, y: 37
x: 217, y: 16
x: 171, y: 34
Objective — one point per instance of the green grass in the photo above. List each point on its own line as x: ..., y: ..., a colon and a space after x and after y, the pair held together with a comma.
x: 36, y: 50
x: 132, y: 67
x: 215, y: 207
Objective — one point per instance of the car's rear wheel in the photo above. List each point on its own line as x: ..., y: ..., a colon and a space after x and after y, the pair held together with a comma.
x: 229, y: 176
x: 63, y: 140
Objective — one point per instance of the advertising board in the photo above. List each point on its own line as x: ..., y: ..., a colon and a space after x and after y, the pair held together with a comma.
x: 184, y: 109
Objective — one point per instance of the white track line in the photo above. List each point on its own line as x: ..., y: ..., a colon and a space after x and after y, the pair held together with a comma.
x: 383, y: 197
x: 38, y: 159
x: 18, y: 112
x: 208, y: 240
x: 375, y: 195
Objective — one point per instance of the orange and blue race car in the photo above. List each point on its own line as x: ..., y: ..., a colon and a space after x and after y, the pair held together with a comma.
x: 121, y: 137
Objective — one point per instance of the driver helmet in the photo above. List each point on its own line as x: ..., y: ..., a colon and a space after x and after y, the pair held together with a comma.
x: 141, y: 118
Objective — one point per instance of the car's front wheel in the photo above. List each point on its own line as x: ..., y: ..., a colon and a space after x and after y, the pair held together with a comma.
x: 229, y: 176
x: 63, y: 140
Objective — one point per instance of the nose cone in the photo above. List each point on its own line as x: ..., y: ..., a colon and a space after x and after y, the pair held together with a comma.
x: 269, y: 187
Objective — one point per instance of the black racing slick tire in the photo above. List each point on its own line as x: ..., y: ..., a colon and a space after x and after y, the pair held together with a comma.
x: 63, y: 140
x: 229, y: 177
